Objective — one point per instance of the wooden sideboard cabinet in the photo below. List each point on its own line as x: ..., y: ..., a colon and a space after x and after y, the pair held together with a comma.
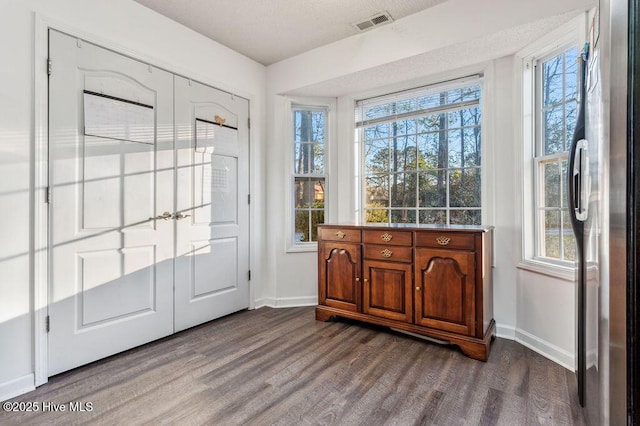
x: 435, y: 281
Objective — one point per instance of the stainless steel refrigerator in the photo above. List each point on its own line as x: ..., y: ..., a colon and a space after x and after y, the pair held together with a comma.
x: 602, y: 198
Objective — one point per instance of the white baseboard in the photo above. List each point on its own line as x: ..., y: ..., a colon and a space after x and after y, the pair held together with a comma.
x: 287, y: 302
x: 546, y: 349
x: 506, y: 332
x: 17, y: 387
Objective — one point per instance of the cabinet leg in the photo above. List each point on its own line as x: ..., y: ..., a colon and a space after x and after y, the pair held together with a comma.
x: 322, y: 315
x: 477, y: 351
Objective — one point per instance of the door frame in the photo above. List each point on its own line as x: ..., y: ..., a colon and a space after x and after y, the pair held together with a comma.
x: 40, y: 169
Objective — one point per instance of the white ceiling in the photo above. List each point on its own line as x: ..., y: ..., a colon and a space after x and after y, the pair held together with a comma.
x: 269, y: 31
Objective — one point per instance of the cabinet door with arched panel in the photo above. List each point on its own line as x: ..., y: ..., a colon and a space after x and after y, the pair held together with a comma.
x: 445, y: 290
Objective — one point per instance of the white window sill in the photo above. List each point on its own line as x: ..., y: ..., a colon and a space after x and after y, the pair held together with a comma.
x: 302, y: 248
x: 565, y: 273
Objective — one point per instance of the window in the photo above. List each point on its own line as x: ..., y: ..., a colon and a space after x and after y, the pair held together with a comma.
x: 309, y: 138
x: 422, y: 156
x: 556, y: 106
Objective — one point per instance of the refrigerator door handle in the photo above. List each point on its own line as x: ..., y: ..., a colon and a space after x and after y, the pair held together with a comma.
x: 580, y: 180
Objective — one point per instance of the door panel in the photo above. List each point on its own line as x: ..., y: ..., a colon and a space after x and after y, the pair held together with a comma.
x: 339, y: 275
x: 212, y: 233
x: 387, y: 290
x: 445, y: 298
x: 111, y: 262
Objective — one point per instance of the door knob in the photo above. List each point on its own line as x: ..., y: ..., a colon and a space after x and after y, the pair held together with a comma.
x: 163, y: 216
x: 180, y: 216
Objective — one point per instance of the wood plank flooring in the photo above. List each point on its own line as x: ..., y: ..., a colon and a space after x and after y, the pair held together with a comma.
x: 280, y: 366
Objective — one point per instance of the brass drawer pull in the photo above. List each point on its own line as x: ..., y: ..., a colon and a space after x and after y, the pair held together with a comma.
x: 386, y: 253
x: 386, y: 237
x: 340, y: 235
x: 443, y: 241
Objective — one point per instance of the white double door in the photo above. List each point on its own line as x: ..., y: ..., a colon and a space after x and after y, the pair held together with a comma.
x: 149, y: 227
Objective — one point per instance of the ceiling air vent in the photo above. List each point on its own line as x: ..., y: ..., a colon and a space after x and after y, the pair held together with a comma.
x: 375, y: 20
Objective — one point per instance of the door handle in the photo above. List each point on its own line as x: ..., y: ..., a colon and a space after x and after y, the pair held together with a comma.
x: 180, y: 216
x: 163, y: 216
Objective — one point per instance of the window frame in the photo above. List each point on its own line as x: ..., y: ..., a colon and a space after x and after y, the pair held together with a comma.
x: 438, y: 87
x: 540, y: 158
x: 572, y: 34
x: 306, y: 104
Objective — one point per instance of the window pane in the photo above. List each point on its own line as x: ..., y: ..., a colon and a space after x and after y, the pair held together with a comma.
x: 297, y: 125
x: 377, y: 216
x: 551, y: 176
x: 552, y: 80
x: 317, y: 158
x: 465, y: 217
x: 430, y: 123
x: 377, y: 191
x: 454, y: 119
x: 553, y: 130
x: 569, y: 239
x: 376, y: 132
x: 301, y: 234
x: 471, y: 116
x: 433, y: 188
x: 433, y: 217
x: 377, y: 156
x: 571, y: 74
x: 431, y: 156
x: 455, y: 148
x: 317, y: 126
x: 471, y: 153
x: 403, y: 127
x: 317, y: 218
x: 403, y: 153
x: 303, y: 155
x: 552, y: 234
x: 318, y: 193
x: 403, y: 216
x: 303, y: 192
x: 403, y: 190
x: 464, y: 188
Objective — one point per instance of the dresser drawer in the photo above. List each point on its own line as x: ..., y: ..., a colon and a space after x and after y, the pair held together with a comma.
x: 390, y: 253
x: 388, y: 237
x: 452, y: 240
x: 345, y: 235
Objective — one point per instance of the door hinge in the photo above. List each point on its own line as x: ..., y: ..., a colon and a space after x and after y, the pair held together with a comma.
x: 249, y: 274
x: 48, y: 323
x: 249, y: 122
x: 47, y: 195
x: 476, y: 325
x: 248, y: 198
x: 49, y: 66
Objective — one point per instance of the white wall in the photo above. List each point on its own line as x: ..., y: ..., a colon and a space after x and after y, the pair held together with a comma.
x: 128, y: 27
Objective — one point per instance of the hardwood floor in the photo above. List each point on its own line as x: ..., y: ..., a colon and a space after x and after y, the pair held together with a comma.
x: 280, y: 366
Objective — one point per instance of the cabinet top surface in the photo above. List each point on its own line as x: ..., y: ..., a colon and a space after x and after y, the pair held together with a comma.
x: 413, y: 226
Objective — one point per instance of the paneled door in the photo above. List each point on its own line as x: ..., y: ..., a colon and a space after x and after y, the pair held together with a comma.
x: 212, y: 210
x: 445, y: 290
x: 111, y: 202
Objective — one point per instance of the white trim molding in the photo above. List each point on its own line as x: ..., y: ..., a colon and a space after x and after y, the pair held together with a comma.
x: 16, y: 387
x: 546, y: 349
x: 287, y: 302
x: 41, y: 207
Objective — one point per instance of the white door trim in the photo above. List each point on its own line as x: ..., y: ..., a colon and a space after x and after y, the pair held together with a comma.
x: 40, y: 207
x: 40, y: 243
